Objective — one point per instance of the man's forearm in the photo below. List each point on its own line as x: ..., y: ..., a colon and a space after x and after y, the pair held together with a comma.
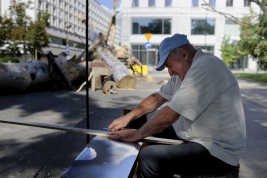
x: 148, y: 105
x: 161, y: 120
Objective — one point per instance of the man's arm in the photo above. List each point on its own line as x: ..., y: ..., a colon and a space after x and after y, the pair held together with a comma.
x: 148, y: 105
x: 162, y: 119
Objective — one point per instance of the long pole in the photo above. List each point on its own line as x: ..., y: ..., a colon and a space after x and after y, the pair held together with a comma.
x: 87, y: 131
x: 206, y: 31
x: 87, y: 66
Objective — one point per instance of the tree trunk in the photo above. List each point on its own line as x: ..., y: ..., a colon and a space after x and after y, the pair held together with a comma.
x: 121, y: 73
x: 244, y: 63
x: 19, y: 76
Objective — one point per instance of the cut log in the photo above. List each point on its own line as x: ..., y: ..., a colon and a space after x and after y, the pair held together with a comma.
x: 19, y: 76
x: 121, y: 73
x: 109, y: 87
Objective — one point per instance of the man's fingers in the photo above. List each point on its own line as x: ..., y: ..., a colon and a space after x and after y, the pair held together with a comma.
x: 114, y: 135
x: 111, y: 126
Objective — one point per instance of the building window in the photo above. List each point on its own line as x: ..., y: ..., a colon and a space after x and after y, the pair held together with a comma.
x: 135, y: 3
x: 151, y: 3
x: 144, y: 56
x: 155, y: 26
x: 229, y: 3
x: 47, y: 8
x: 194, y: 3
x: 39, y: 4
x: 247, y: 3
x: 202, y: 26
x: 206, y: 49
x: 167, y: 26
x: 168, y: 3
x: 231, y: 28
x: 212, y: 3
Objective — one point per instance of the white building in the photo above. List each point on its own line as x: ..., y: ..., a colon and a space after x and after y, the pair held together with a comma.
x: 164, y: 18
x: 65, y: 22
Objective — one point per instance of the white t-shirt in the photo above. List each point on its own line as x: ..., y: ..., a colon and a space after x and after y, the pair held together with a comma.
x: 210, y: 105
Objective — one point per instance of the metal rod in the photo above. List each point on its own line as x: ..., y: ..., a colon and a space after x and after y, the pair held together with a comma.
x: 206, y: 31
x: 87, y: 67
x: 88, y: 131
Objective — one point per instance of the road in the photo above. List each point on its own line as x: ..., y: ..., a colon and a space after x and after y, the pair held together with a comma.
x: 37, y: 152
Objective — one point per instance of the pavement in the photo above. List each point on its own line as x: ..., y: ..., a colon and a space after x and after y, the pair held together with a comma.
x: 36, y: 152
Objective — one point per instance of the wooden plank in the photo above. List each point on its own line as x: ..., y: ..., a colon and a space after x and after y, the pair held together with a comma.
x: 88, y: 131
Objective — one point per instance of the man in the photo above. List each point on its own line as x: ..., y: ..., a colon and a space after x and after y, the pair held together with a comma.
x: 205, y: 110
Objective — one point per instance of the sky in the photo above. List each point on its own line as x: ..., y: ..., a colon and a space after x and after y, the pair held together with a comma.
x: 108, y: 3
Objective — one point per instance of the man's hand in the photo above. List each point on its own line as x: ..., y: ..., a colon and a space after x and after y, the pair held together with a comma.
x: 128, y: 135
x: 119, y: 123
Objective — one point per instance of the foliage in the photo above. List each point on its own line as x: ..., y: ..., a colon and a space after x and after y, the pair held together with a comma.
x: 256, y: 77
x: 37, y: 35
x: 5, y: 28
x: 253, y: 36
x: 229, y: 51
x: 9, y: 58
x: 20, y: 33
x: 20, y: 24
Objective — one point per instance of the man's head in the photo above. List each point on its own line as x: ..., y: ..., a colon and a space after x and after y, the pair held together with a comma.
x: 176, y: 54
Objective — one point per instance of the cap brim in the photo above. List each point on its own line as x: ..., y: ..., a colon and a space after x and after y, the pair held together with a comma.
x: 160, y: 67
x: 161, y: 64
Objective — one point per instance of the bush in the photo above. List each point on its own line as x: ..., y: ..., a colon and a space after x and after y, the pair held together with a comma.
x: 256, y: 77
x: 9, y: 58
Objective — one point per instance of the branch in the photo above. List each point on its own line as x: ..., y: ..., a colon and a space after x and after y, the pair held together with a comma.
x: 226, y: 15
x: 111, y: 22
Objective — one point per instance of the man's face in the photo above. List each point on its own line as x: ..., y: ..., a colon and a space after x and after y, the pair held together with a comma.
x: 178, y: 64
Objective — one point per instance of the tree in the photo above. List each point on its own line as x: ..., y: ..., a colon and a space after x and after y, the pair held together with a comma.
x: 5, y: 28
x: 229, y: 51
x: 21, y: 32
x: 21, y: 21
x: 253, y: 36
x: 37, y: 36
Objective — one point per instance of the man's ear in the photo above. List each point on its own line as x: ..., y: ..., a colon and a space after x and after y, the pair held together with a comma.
x: 183, y: 53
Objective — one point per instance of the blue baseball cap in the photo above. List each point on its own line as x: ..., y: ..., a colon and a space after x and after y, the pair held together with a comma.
x: 169, y: 44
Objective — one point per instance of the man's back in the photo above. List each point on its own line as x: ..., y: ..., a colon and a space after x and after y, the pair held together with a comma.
x: 211, y: 109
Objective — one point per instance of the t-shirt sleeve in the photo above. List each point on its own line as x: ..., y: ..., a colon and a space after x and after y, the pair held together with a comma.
x: 196, y: 92
x: 166, y: 91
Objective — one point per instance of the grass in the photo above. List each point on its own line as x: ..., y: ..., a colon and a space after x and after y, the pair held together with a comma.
x: 255, y: 77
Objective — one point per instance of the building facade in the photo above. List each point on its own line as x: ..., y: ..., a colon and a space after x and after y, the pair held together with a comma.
x: 67, y: 32
x: 163, y: 18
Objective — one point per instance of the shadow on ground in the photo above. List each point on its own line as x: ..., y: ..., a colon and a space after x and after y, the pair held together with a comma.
x: 37, y: 152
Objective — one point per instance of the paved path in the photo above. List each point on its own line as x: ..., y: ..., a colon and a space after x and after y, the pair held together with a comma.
x: 255, y: 92
x: 36, y: 152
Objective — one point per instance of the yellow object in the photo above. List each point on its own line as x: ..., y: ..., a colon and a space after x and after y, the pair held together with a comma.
x: 148, y: 36
x: 139, y: 69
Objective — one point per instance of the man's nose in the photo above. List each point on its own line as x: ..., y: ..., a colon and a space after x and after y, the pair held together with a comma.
x: 170, y: 72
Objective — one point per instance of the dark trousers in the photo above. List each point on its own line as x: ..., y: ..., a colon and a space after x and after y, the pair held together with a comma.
x: 187, y: 158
